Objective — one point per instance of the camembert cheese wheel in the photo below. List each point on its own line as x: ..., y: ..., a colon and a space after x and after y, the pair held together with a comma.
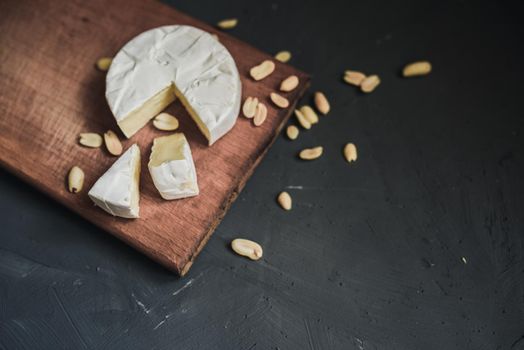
x: 174, y: 61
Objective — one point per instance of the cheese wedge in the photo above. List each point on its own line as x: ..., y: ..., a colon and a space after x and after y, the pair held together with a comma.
x: 117, y: 190
x: 174, y: 61
x: 172, y: 168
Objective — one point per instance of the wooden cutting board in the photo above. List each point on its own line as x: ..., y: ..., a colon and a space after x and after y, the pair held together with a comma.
x: 50, y: 92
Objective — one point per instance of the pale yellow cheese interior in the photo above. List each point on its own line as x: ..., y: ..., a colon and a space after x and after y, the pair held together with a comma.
x: 135, y: 120
x: 167, y: 148
x: 135, y: 192
x: 203, y: 128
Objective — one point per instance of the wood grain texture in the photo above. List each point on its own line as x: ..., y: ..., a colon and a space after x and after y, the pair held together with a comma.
x: 51, y: 92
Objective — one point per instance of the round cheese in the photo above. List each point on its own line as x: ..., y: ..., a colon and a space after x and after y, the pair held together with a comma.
x: 174, y: 61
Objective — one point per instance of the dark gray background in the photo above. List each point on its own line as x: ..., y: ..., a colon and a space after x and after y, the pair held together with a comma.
x: 370, y: 257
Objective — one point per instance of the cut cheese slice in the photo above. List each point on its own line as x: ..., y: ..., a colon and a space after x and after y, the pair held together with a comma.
x: 174, y: 61
x: 172, y: 168
x: 117, y: 190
